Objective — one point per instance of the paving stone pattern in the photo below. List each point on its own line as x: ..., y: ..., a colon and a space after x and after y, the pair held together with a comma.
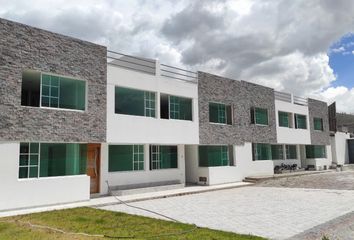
x: 275, y: 213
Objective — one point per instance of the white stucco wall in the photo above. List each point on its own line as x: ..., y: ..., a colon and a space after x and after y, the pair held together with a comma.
x: 339, y: 147
x: 138, y: 129
x: 292, y: 135
x: 139, y: 177
x: 244, y: 167
x: 21, y: 193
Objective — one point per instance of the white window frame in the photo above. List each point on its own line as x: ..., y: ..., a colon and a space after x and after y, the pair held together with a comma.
x: 28, y: 166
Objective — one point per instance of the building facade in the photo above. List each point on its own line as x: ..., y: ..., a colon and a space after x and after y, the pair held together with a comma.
x: 74, y: 116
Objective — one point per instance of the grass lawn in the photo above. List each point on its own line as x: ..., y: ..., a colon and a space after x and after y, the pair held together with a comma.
x: 94, y: 221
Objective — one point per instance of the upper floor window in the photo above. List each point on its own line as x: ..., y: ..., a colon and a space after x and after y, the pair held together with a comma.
x: 135, y: 102
x: 318, y: 124
x: 173, y: 107
x: 259, y: 116
x: 300, y: 121
x: 284, y: 119
x: 220, y: 113
x: 47, y: 90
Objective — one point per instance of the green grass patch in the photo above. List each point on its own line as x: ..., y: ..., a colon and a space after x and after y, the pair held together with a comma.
x: 95, y: 221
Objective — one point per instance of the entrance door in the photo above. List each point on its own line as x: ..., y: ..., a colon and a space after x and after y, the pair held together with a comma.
x: 351, y: 150
x: 93, y: 166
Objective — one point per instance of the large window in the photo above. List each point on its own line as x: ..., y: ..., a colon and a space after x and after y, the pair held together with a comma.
x: 213, y: 156
x: 262, y: 151
x: 291, y: 152
x: 284, y: 119
x: 135, y: 102
x: 318, y: 124
x: 300, y: 121
x: 173, y: 107
x: 315, y: 151
x: 163, y: 157
x: 125, y: 158
x: 259, y: 116
x: 220, y: 113
x: 46, y: 90
x: 277, y: 152
x: 52, y: 159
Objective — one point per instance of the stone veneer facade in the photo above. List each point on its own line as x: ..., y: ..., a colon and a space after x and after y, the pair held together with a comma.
x: 319, y: 109
x: 241, y: 96
x: 23, y: 47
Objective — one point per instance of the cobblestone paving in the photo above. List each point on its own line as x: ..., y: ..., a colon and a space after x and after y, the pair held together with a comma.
x: 328, y: 180
x: 275, y: 213
x: 341, y: 228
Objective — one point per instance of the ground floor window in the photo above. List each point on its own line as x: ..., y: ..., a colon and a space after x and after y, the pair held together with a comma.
x: 125, y: 158
x: 163, y: 157
x: 315, y: 151
x: 263, y: 151
x: 52, y: 159
x: 213, y: 156
x: 291, y: 152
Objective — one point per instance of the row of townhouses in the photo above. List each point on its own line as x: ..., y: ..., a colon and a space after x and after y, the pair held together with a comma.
x: 74, y: 116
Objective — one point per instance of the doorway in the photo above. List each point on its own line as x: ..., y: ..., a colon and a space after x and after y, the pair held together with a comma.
x: 93, y: 166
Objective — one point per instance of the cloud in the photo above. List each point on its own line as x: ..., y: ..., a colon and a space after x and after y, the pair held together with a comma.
x: 279, y: 43
x: 338, y: 50
x: 343, y: 96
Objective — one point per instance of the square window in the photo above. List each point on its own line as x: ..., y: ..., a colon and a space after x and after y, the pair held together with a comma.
x: 24, y: 148
x: 33, y: 160
x: 45, y: 79
x: 33, y: 172
x: 54, y: 92
x: 34, y: 147
x: 54, y: 81
x: 45, y: 101
x: 23, y: 159
x: 23, y: 172
x: 45, y: 90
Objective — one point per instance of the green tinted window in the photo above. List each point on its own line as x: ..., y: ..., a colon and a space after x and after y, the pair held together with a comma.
x: 28, y: 161
x: 180, y: 108
x: 220, y: 113
x: 62, y: 159
x: 261, y: 151
x: 213, y: 156
x: 300, y: 121
x: 291, y: 152
x: 261, y: 116
x: 315, y: 151
x: 61, y: 92
x: 318, y: 124
x: 125, y: 158
x: 135, y: 102
x: 163, y: 157
x: 277, y: 152
x: 283, y: 119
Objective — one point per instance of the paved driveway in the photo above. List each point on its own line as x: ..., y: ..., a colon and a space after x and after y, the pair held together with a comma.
x: 276, y: 213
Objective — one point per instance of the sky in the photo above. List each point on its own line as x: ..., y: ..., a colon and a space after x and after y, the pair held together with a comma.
x: 300, y: 46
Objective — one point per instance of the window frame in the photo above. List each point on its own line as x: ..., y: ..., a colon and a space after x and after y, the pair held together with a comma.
x: 59, y: 108
x: 289, y: 116
x: 134, y: 154
x: 314, y: 154
x: 28, y: 166
x: 226, y: 118
x: 314, y: 124
x: 179, y: 107
x: 287, y: 151
x: 254, y: 119
x: 146, y: 99
x: 158, y: 160
x: 224, y: 149
x: 296, y: 121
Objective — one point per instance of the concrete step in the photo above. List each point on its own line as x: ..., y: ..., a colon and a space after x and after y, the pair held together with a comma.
x: 348, y: 167
x: 124, y: 192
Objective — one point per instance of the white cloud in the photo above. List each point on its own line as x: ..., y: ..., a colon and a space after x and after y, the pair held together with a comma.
x: 279, y: 43
x: 338, y: 50
x: 353, y: 52
x: 343, y: 96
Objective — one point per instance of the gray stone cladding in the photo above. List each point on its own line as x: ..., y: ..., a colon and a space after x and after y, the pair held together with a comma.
x: 23, y: 47
x: 319, y: 109
x: 241, y: 96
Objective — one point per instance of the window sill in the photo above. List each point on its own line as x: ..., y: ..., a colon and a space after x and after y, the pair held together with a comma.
x: 57, y: 109
x: 50, y: 178
x: 138, y: 116
x: 261, y: 125
x: 220, y: 124
x: 126, y: 171
x: 216, y: 166
x: 171, y: 119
